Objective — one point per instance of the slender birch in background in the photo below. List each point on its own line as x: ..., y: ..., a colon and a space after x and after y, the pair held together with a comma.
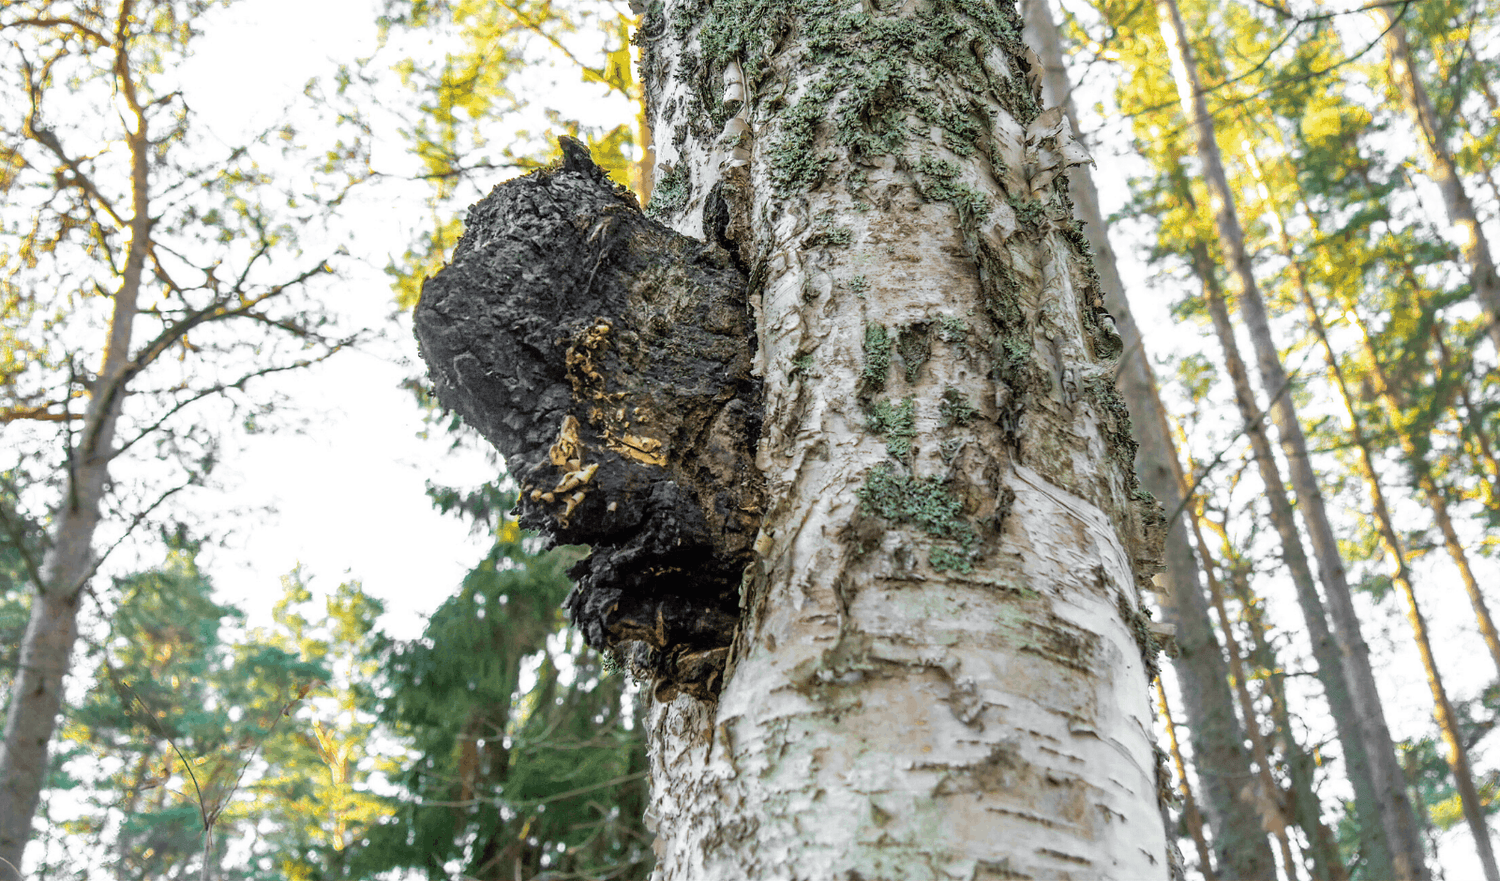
x: 943, y: 661
x: 1407, y: 82
x: 1393, y: 802
x: 135, y: 242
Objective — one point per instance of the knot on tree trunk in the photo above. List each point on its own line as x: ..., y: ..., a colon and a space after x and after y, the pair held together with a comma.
x: 608, y: 359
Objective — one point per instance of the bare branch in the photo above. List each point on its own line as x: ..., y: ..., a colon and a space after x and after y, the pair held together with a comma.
x: 135, y: 521
x: 219, y: 389
x: 18, y: 540
x: 79, y: 27
x: 39, y: 413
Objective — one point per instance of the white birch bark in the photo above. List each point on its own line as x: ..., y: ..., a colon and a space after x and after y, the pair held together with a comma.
x: 943, y: 667
x: 52, y: 629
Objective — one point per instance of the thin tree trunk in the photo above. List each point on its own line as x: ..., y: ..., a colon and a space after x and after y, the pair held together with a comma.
x: 1330, y: 661
x: 915, y: 688
x: 1436, y: 499
x: 46, y: 649
x: 1395, y: 548
x: 1306, y: 807
x: 1190, y: 814
x: 1441, y: 167
x: 1396, y: 813
x: 1274, y: 814
x: 1458, y: 758
x: 1417, y: 459
x: 1472, y: 419
x: 1217, y: 736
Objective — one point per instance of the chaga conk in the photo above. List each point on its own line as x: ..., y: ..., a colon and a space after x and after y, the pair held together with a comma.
x: 608, y: 359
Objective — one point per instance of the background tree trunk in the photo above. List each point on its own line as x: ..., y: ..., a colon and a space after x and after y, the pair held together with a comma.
x: 1395, y: 808
x: 1441, y: 168
x: 46, y: 651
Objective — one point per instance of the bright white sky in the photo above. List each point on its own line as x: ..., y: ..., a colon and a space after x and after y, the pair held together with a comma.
x: 348, y: 495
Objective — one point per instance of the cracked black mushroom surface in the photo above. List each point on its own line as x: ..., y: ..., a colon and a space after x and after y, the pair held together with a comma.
x: 608, y: 358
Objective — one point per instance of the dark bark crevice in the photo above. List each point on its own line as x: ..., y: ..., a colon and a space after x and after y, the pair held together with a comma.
x: 608, y: 358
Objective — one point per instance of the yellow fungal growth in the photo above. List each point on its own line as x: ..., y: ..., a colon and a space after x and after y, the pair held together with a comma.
x: 567, y: 454
x: 641, y: 449
x: 567, y: 447
x: 576, y: 478
x: 580, y: 356
x: 572, y: 501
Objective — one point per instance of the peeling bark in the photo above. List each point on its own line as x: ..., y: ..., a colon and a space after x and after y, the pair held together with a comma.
x: 608, y: 359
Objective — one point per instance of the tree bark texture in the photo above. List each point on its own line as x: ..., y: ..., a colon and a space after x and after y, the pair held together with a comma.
x: 942, y: 663
x: 939, y: 661
x: 1394, y: 804
x: 1241, y: 848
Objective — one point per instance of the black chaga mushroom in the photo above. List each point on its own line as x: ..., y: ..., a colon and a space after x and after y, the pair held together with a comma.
x: 608, y: 359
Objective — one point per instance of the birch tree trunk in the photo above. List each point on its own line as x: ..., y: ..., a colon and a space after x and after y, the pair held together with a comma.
x: 1483, y: 277
x: 942, y: 667
x: 47, y: 647
x: 1394, y: 803
x: 1395, y: 548
x: 1240, y: 845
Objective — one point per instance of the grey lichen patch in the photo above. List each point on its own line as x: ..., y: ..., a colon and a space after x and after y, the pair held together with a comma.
x: 1031, y: 214
x: 942, y: 559
x: 926, y: 503
x: 1138, y: 619
x: 670, y: 193
x: 877, y: 348
x: 801, y: 366
x: 1097, y: 321
x: 869, y: 69
x: 1115, y: 419
x: 825, y: 231
x: 796, y: 164
x: 897, y: 422
x: 955, y: 409
x: 939, y: 181
x: 960, y: 130
x: 953, y: 330
x: 914, y: 345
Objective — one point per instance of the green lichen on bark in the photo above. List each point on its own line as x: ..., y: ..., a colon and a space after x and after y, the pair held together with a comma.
x: 926, y: 503
x: 1031, y: 214
x: 960, y: 132
x: 826, y: 231
x: 872, y: 72
x: 953, y: 330
x: 670, y: 194
x: 955, y: 408
x: 1138, y: 619
x: 939, y: 181
x: 941, y: 559
x: 897, y: 422
x: 877, y: 348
